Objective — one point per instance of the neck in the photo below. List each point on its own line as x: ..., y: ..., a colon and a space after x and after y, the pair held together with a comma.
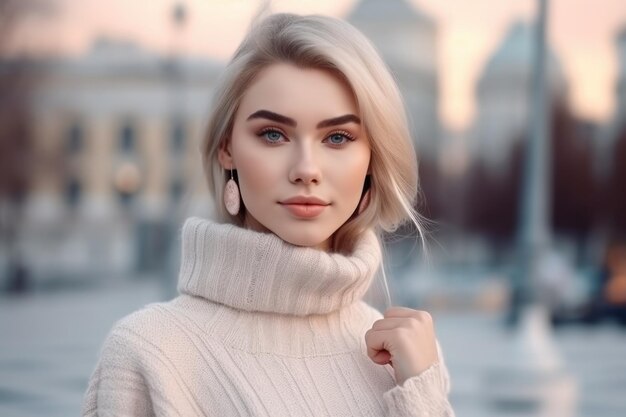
x: 255, y: 271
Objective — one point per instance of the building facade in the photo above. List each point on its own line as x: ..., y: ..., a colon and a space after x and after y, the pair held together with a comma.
x: 407, y: 40
x: 118, y: 133
x: 503, y: 95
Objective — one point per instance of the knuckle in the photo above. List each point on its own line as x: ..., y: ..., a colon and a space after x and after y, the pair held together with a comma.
x: 405, y: 335
x: 414, y: 323
x: 424, y: 316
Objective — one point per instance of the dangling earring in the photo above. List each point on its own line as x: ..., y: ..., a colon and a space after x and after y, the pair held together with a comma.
x: 231, y: 196
x: 365, y: 201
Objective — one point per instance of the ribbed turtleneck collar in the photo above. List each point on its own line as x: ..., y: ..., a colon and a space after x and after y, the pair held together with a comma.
x: 254, y: 271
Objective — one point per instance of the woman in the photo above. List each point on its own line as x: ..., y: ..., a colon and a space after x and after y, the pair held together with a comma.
x: 308, y: 148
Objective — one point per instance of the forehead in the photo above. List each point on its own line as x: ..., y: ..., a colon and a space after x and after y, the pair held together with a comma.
x: 300, y: 93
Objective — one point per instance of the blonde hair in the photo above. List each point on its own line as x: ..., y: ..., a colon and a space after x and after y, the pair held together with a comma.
x: 334, y: 45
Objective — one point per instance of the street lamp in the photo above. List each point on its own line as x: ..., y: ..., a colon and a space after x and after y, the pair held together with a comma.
x: 175, y: 76
x: 535, y: 377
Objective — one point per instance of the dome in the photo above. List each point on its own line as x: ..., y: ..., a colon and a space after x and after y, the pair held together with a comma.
x: 387, y: 11
x: 515, y: 53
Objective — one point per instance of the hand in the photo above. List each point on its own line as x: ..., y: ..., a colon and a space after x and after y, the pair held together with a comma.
x: 405, y: 339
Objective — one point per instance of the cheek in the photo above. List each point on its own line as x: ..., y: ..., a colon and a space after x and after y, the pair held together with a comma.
x: 257, y: 171
x: 349, y: 173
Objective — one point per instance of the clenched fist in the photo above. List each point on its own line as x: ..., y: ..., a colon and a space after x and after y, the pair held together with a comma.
x: 405, y: 339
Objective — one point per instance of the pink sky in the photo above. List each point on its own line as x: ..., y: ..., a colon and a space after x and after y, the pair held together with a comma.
x: 581, y: 31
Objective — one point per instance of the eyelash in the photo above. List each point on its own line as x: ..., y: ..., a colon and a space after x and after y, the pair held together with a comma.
x: 267, y: 130
x: 349, y: 137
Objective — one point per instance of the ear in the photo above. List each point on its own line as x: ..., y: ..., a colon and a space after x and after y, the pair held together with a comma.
x: 224, y: 155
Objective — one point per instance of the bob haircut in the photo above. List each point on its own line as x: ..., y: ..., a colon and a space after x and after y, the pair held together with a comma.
x: 330, y: 44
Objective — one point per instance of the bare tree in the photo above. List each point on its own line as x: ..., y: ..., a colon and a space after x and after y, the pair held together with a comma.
x: 17, y: 81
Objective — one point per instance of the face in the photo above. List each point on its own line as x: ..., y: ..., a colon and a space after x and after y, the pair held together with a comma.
x: 300, y: 152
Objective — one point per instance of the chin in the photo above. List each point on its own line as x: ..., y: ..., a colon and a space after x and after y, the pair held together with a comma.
x: 303, y: 238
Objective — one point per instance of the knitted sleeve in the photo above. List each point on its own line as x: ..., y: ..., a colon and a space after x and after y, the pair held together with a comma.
x: 133, y: 376
x: 423, y: 395
x: 117, y: 386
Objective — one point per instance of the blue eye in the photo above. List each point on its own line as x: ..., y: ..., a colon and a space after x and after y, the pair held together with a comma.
x: 339, y: 138
x: 271, y: 135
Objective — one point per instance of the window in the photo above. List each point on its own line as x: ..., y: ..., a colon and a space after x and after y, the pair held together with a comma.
x: 127, y: 138
x: 74, y: 139
x: 125, y: 198
x: 177, y: 189
x: 73, y: 191
x: 178, y: 135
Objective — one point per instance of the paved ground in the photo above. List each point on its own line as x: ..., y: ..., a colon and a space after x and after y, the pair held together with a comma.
x: 49, y: 345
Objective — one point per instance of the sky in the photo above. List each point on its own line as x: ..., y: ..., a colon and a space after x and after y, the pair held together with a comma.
x: 581, y: 32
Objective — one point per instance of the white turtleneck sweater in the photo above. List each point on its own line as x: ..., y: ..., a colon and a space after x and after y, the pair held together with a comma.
x: 260, y: 328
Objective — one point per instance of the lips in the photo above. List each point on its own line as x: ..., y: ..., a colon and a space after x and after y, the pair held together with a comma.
x: 305, y: 200
x: 305, y: 207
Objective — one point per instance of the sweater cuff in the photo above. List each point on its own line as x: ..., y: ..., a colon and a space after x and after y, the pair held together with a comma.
x: 423, y: 395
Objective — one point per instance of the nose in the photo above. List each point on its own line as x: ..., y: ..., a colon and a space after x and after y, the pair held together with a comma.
x: 305, y: 166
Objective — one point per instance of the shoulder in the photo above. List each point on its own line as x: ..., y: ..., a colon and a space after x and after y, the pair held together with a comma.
x: 119, y: 380
x: 157, y: 320
x: 137, y: 360
x: 130, y: 335
x: 142, y: 332
x: 145, y: 324
x: 163, y: 329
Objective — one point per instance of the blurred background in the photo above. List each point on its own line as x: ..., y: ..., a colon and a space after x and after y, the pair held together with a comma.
x: 522, y: 151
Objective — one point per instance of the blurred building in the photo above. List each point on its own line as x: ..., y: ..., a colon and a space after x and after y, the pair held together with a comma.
x: 607, y: 139
x: 503, y: 97
x: 117, y: 131
x: 407, y: 40
x: 619, y: 120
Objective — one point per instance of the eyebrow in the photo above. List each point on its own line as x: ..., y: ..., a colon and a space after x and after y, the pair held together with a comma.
x: 266, y: 114
x: 270, y: 115
x: 346, y: 118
